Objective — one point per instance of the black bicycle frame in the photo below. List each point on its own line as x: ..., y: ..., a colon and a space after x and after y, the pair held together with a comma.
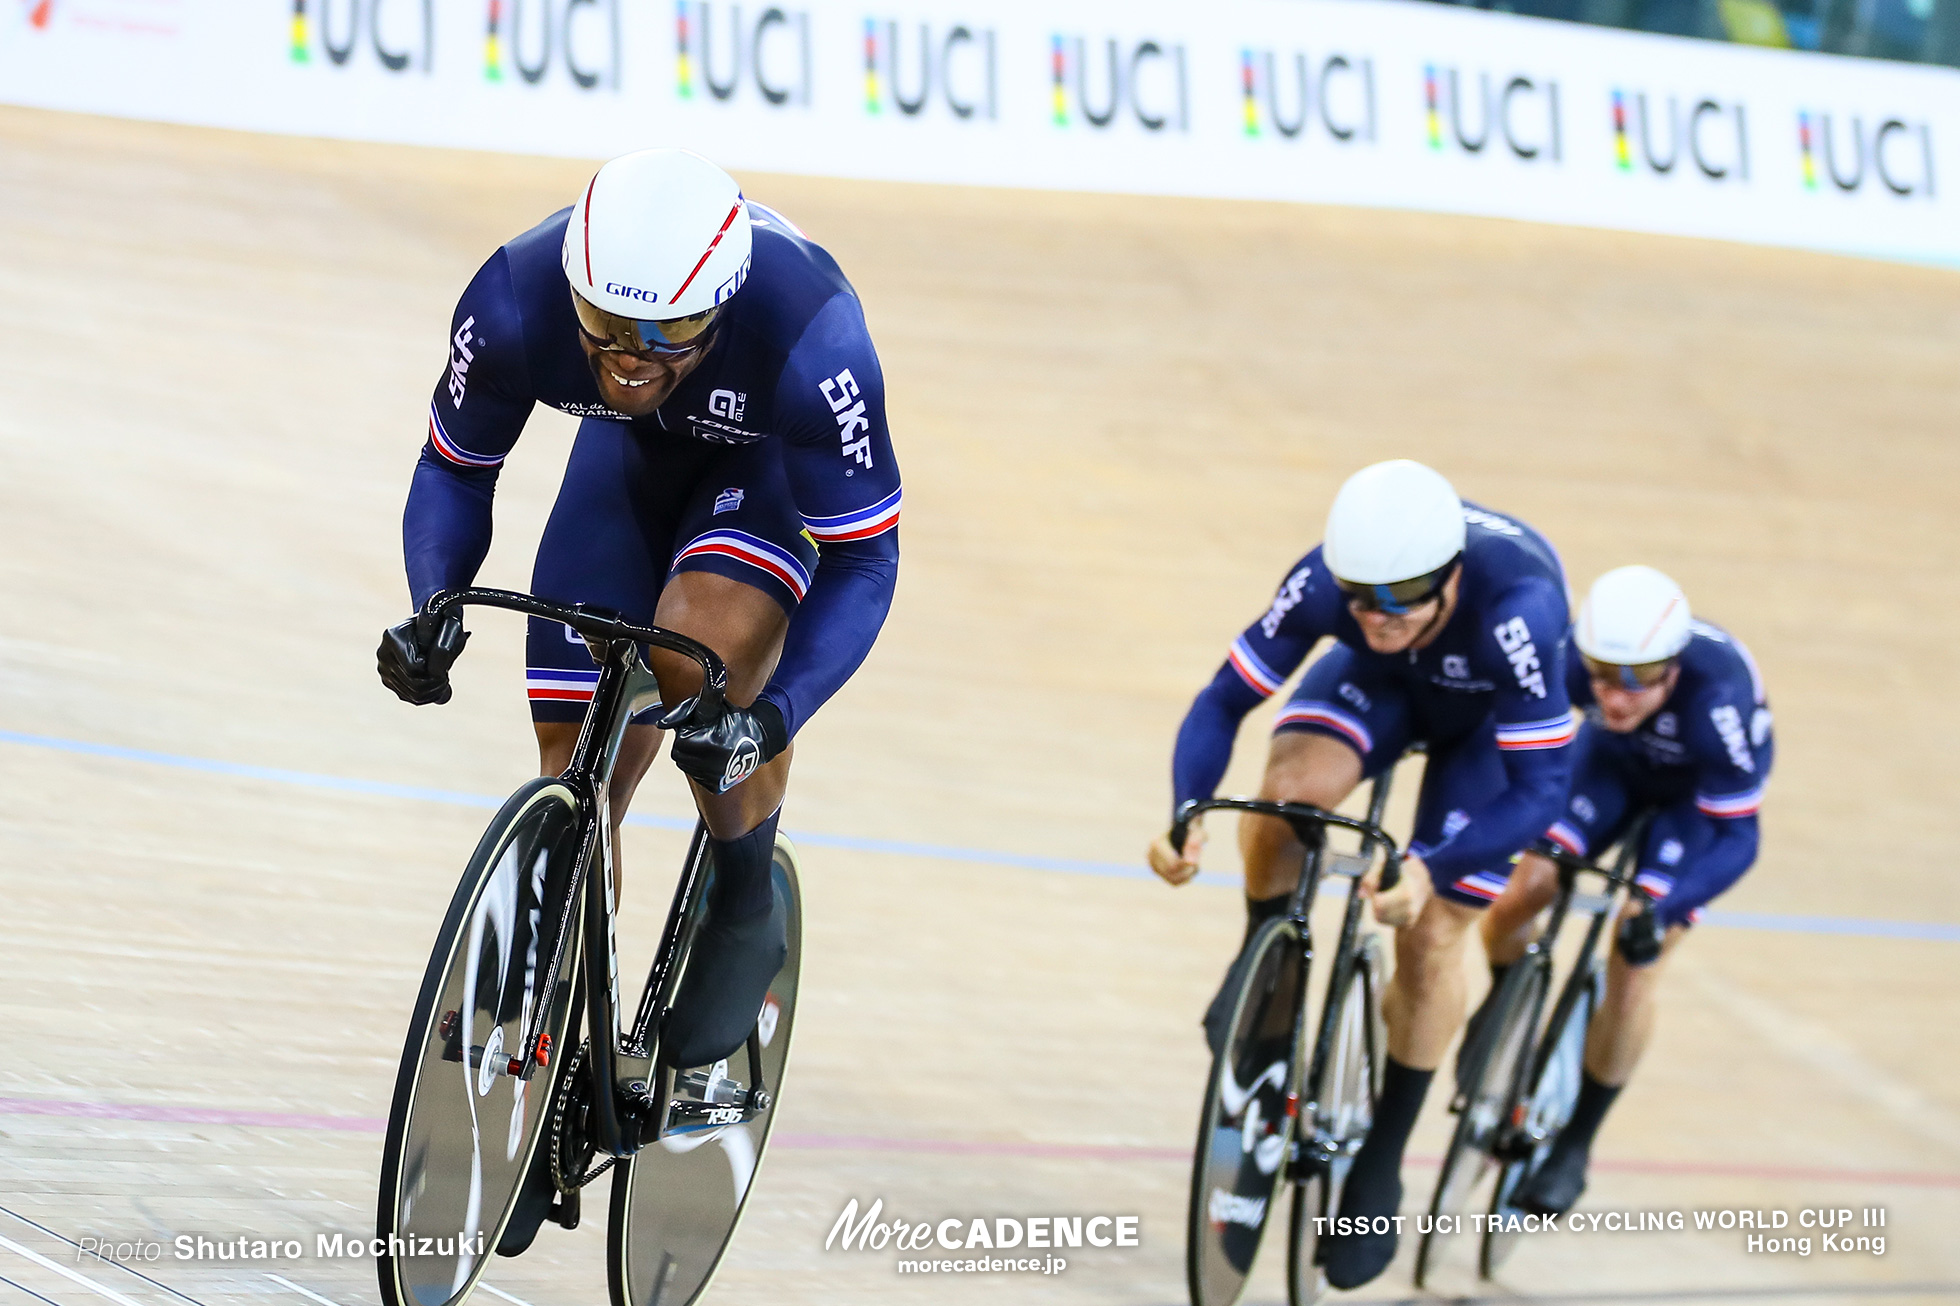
x: 622, y: 1066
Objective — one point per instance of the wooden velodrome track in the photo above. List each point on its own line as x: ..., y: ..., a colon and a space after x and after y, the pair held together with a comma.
x: 1120, y: 420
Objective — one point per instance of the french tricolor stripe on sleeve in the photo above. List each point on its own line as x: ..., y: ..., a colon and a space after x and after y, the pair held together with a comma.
x: 454, y: 452
x: 1481, y: 884
x: 1251, y: 670
x: 859, y: 525
x: 755, y: 551
x: 1327, y: 718
x: 1555, y: 733
x: 1747, y: 803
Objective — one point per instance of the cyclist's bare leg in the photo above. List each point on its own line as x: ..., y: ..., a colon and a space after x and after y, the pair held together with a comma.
x: 1511, y: 923
x: 1625, y: 1021
x: 746, y: 627
x: 1301, y: 767
x: 1424, y: 1002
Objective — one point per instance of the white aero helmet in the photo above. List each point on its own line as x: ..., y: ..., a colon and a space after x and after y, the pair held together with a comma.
x: 1394, y: 535
x: 1633, y: 624
x: 657, y: 243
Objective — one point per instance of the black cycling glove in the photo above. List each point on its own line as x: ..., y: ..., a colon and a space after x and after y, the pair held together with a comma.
x: 721, y: 753
x: 415, y: 657
x: 1641, y: 936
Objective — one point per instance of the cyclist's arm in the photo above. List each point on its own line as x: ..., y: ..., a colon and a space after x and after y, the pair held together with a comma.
x: 1255, y: 667
x: 1729, y: 785
x: 837, y: 453
x: 1522, y: 650
x: 478, y: 411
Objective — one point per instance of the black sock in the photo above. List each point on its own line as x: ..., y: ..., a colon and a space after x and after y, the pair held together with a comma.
x: 1401, y: 1102
x: 1497, y: 973
x: 1595, y: 1099
x: 741, y: 889
x: 1260, y: 910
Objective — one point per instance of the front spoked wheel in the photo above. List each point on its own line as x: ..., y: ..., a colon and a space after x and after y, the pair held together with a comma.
x: 1342, y: 1101
x: 1554, y: 1094
x: 463, y: 1127
x: 1491, y: 1087
x: 676, y: 1202
x: 1245, y: 1128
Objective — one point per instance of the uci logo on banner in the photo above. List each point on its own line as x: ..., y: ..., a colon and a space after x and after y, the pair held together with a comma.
x: 911, y: 70
x: 400, y: 34
x: 1106, y: 81
x: 1518, y: 112
x: 1853, y: 148
x: 533, y: 35
x: 1711, y: 133
x: 1289, y: 97
x: 727, y: 47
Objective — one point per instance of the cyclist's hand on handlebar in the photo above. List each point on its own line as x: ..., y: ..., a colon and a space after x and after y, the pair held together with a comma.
x: 415, y: 657
x: 720, y: 754
x: 1176, y: 867
x: 1400, y: 905
x: 1641, y: 934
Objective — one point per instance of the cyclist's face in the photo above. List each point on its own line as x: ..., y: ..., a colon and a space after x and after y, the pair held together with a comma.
x: 633, y: 385
x: 1621, y: 710
x: 1399, y: 632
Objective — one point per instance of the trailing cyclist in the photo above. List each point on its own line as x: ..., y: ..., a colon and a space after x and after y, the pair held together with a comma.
x: 1678, y: 725
x: 1449, y: 624
x: 732, y: 471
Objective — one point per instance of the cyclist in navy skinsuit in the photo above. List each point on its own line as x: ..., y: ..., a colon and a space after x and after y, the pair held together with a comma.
x: 1450, y: 625
x: 1678, y: 726
x: 732, y: 480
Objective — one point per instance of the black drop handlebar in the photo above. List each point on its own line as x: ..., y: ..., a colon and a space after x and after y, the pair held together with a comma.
x: 1296, y: 815
x: 593, y: 623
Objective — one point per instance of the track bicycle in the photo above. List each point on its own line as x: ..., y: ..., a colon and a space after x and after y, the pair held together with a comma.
x: 500, y: 1108
x: 1518, y: 1072
x: 1289, y: 1098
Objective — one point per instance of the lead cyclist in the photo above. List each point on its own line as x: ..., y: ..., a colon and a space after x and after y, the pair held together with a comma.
x: 732, y: 480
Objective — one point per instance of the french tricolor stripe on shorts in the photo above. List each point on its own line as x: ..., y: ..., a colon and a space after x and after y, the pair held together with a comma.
x: 1731, y: 805
x: 754, y: 550
x: 859, y: 525
x: 556, y: 684
x: 1555, y: 733
x: 1567, y: 838
x: 454, y: 452
x: 1251, y: 670
x: 1321, y: 714
x: 1481, y: 884
x: 1655, y: 884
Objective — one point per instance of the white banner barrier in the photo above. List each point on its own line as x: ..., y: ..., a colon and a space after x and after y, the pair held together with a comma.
x: 1368, y: 102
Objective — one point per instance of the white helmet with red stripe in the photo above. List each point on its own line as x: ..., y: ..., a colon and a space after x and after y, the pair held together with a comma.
x: 1633, y: 616
x: 658, y: 235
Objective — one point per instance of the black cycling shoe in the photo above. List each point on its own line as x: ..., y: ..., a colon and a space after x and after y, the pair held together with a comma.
x: 1219, y: 1013
x: 728, y: 975
x: 1351, y: 1260
x: 1556, y: 1186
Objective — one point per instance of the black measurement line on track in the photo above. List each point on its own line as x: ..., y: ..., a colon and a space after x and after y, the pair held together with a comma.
x: 1672, y: 1294
x: 101, y: 1259
x: 29, y: 1291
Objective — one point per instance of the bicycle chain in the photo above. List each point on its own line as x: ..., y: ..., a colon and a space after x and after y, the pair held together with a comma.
x: 563, y: 1103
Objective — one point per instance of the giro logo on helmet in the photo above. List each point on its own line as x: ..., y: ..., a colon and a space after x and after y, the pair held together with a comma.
x: 631, y: 292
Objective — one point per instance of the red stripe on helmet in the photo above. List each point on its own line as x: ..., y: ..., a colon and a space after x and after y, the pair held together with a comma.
x: 588, y: 231
x: 726, y: 223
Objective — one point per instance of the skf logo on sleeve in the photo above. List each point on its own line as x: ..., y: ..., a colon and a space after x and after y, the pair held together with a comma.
x: 460, y: 359
x: 1514, y: 637
x: 1728, y: 723
x: 1285, y: 601
x: 838, y: 392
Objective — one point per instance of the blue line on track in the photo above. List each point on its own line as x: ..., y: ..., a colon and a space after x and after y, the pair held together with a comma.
x: 1743, y: 920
